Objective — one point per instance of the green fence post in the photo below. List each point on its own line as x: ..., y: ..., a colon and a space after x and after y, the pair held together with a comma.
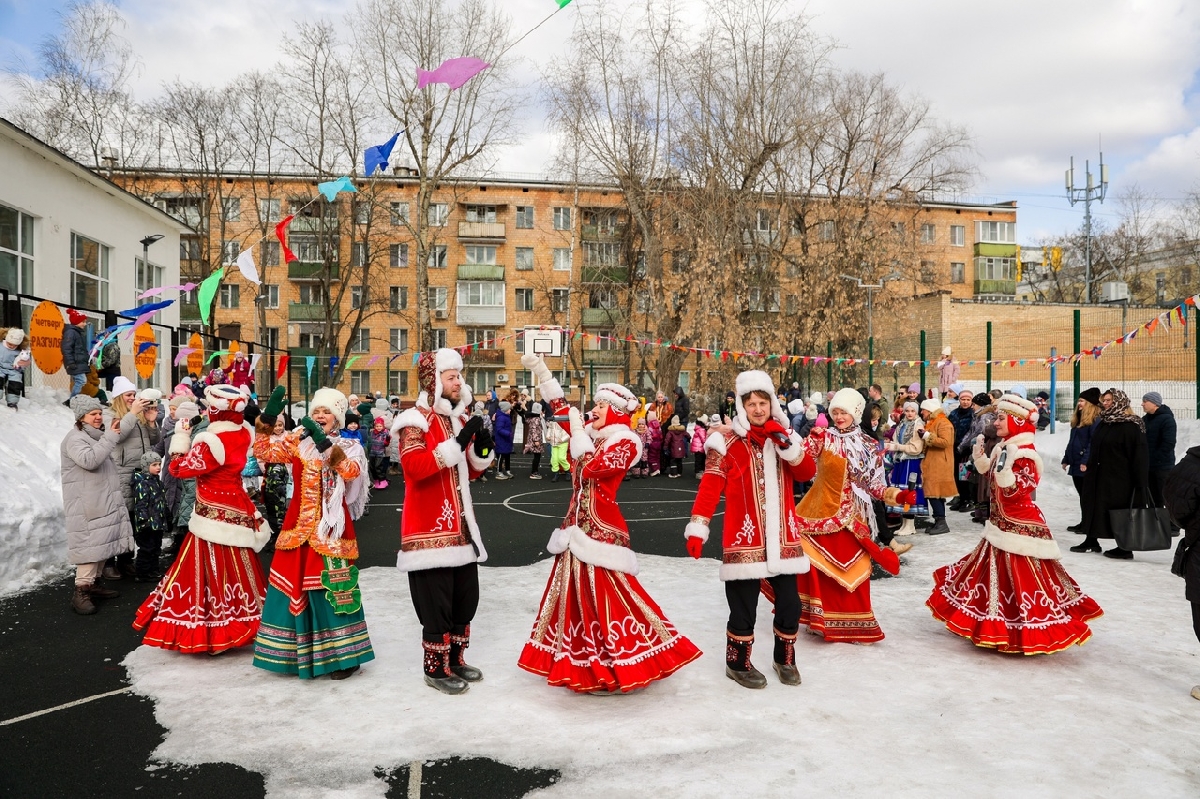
x: 829, y: 366
x: 924, y: 388
x: 871, y: 361
x: 989, y: 358
x: 1075, y: 369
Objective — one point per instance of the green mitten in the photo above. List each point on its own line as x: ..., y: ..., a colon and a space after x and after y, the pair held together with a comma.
x: 316, y: 433
x: 274, y: 406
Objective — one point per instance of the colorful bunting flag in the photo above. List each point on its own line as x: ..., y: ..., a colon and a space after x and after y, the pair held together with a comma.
x: 453, y: 72
x: 184, y: 352
x: 288, y: 255
x: 281, y: 370
x: 377, y: 157
x: 330, y: 189
x: 207, y: 291
x: 245, y: 265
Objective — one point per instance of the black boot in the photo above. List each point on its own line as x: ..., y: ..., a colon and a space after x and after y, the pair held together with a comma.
x: 458, y: 643
x: 437, y: 667
x: 785, y: 658
x: 939, y: 526
x: 737, y: 662
x: 1089, y: 544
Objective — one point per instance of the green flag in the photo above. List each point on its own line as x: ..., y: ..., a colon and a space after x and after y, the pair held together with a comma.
x: 562, y: 3
x: 208, y: 290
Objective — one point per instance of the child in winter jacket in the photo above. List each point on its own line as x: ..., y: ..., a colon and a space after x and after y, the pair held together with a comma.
x: 502, y: 433
x: 699, y: 436
x: 533, y: 438
x: 13, y: 361
x: 675, y: 445
x: 377, y: 452
x: 151, y: 517
x: 641, y: 469
x: 557, y: 438
x: 352, y: 430
x: 655, y: 445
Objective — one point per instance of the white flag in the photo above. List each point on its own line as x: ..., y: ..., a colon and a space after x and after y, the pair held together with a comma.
x: 254, y: 362
x: 245, y: 264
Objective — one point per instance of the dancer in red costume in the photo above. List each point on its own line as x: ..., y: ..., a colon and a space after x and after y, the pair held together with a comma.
x: 597, y: 630
x: 754, y: 462
x: 838, y: 525
x: 1012, y: 593
x: 211, y: 598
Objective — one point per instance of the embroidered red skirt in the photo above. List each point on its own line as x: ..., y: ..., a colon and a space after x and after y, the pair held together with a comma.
x: 1012, y: 603
x: 827, y: 609
x: 210, y: 600
x: 598, y: 630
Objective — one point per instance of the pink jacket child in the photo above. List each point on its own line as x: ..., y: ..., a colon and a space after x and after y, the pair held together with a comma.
x: 699, y: 435
x: 654, y: 445
x: 239, y: 370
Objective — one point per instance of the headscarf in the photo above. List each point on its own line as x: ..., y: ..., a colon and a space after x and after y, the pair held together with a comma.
x: 1120, y: 411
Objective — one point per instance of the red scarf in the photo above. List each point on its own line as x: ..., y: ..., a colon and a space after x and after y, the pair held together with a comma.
x: 757, y: 435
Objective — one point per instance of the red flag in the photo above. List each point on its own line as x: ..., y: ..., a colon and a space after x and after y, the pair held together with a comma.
x: 288, y: 255
x: 283, y: 365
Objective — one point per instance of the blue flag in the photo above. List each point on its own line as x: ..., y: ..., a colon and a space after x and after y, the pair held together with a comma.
x: 377, y: 157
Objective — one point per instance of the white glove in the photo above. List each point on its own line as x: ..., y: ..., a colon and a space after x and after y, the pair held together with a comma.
x: 977, y: 449
x: 537, y: 368
x: 575, y: 419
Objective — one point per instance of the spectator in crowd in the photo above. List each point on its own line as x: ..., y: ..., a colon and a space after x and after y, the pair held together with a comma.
x: 216, y: 377
x: 675, y: 447
x: 534, y: 444
x: 795, y: 410
x: 683, y: 406
x: 13, y: 361
x: 984, y: 424
x: 133, y: 416
x: 1182, y: 494
x: 151, y: 517
x: 1118, y: 465
x: 908, y: 452
x: 1160, y: 442
x: 1084, y: 421
x: 97, y: 522
x: 937, y: 471
x: 663, y: 410
x: 812, y: 413
x: 276, y: 479
x: 728, y: 408
x: 502, y: 435
x: 353, y: 429
x: 75, y: 351
x: 699, y: 436
x: 377, y: 452
x: 947, y: 371
x: 962, y: 417
x: 1041, y: 401
x: 794, y: 393
x: 654, y: 452
x: 239, y: 370
x: 558, y: 439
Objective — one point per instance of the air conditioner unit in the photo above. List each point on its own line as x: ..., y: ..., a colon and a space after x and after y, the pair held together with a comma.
x: 502, y: 377
x: 1115, y: 291
x: 440, y: 313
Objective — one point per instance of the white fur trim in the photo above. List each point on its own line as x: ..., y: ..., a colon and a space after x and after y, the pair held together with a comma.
x: 715, y: 442
x: 1016, y: 406
x: 551, y: 390
x: 696, y: 530
x: 759, y: 571
x: 559, y: 539
x: 477, y: 463
x: 334, y: 400
x: 464, y: 490
x: 596, y: 553
x: 1042, y: 548
x: 581, y: 444
x: 421, y: 559
x: 450, y: 453
x: 772, y: 524
x: 181, y: 442
x: 216, y: 428
x: 619, y: 396
x: 215, y: 446
x: 230, y: 535
x: 793, y: 453
x: 410, y: 418
x: 755, y: 380
x: 850, y: 401
x: 446, y: 358
x: 610, y: 434
x: 983, y: 465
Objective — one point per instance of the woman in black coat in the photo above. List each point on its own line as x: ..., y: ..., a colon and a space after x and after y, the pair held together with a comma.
x: 1182, y: 495
x: 1084, y: 422
x: 1118, y: 465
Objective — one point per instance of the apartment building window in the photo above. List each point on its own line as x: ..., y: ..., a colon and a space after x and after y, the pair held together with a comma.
x: 562, y: 218
x: 524, y: 259
x: 680, y: 260
x: 362, y: 213
x: 562, y: 259
x: 360, y: 340
x: 605, y: 341
x: 360, y: 382
x: 523, y: 377
x: 481, y: 380
x: 958, y: 235
x: 270, y: 337
x: 230, y: 250
x: 525, y: 217
x: 958, y: 272
x: 899, y: 229
x: 437, y: 257
x: 764, y: 220
x: 481, y: 213
x: 996, y: 232
x: 356, y: 297
x: 928, y: 234
x: 482, y: 338
x: 230, y: 295
x: 524, y: 299
x: 398, y: 298
x: 398, y: 256
x: 792, y: 304
x: 269, y: 253
x: 603, y: 254
x: 310, y: 341
x: 306, y: 249
x: 560, y: 300
x: 641, y: 301
x: 827, y: 230
x: 399, y: 215
x: 439, y: 214
x: 602, y: 298
x: 231, y: 209
x: 145, y: 276
x: 312, y: 294
x: 439, y: 337
x: 489, y: 293
x: 186, y: 209
x: 269, y: 210
x: 480, y: 254
x: 398, y: 384
x: 189, y: 248
x: 995, y: 268
x: 928, y: 272
x: 398, y: 339
x: 639, y: 264
x: 358, y: 253
x: 764, y: 300
x: 436, y: 297
x: 270, y: 295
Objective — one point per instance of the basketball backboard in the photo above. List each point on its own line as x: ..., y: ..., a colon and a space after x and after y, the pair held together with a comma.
x: 544, y: 341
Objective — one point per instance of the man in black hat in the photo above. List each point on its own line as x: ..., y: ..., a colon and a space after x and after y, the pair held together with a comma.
x: 1160, y: 440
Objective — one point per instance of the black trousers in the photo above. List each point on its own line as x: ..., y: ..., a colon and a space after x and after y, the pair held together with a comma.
x: 742, y: 596
x: 445, y: 599
x: 1196, y: 619
x: 1157, y: 481
x: 1078, y: 482
x: 537, y: 461
x: 379, y: 464
x: 886, y: 536
x: 502, y: 462
x: 700, y: 459
x: 149, y: 548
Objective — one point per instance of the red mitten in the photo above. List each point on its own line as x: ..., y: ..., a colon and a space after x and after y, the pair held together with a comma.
x: 695, y: 547
x: 888, y: 559
x: 908, y: 498
x: 775, y: 430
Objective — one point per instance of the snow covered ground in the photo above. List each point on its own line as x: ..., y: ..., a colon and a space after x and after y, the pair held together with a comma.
x: 923, y: 713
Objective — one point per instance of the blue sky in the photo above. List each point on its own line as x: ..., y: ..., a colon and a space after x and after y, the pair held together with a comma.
x: 1035, y: 82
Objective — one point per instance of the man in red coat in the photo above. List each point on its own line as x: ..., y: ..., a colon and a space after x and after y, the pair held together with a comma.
x: 442, y: 448
x: 753, y: 462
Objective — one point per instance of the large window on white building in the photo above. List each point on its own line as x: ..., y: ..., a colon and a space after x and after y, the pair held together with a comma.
x: 89, y: 273
x: 16, y: 250
x: 996, y: 232
x: 481, y: 292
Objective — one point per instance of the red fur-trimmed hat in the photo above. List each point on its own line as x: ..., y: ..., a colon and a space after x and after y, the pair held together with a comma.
x: 621, y: 402
x: 1022, y: 414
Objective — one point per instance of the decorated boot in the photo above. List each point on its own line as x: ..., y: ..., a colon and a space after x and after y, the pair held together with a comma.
x: 437, y: 667
x: 785, y: 658
x: 737, y: 662
x: 458, y: 643
x: 907, y: 527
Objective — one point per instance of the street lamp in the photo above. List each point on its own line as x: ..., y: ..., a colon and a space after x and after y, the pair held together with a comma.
x: 871, y: 289
x: 146, y: 242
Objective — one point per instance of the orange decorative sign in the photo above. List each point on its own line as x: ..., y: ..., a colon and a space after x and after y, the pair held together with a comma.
x: 145, y: 358
x: 45, y: 337
x: 234, y: 348
x: 195, y: 359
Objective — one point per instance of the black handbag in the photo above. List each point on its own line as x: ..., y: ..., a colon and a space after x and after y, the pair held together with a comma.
x: 1179, y: 563
x: 1141, y: 529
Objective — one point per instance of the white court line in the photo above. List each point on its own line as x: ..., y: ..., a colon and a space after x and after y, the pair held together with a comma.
x: 414, y: 780
x: 83, y: 701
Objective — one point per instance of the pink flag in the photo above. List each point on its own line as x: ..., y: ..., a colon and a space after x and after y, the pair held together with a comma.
x: 453, y: 72
x: 155, y: 292
x: 184, y: 352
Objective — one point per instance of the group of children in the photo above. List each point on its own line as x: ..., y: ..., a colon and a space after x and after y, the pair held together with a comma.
x: 665, y: 450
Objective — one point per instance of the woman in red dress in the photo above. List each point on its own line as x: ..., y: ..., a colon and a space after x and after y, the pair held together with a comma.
x: 211, y: 598
x: 1012, y: 593
x: 597, y: 630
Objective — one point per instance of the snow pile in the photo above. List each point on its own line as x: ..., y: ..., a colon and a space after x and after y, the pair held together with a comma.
x: 33, y: 538
x: 921, y: 713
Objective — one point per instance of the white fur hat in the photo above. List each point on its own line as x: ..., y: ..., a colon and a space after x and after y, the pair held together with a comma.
x: 224, y: 397
x: 14, y: 336
x: 1017, y: 406
x: 122, y: 385
x: 946, y: 351
x: 931, y: 405
x: 850, y: 401
x: 332, y: 400
x: 430, y: 366
x: 185, y: 410
x: 616, y: 395
x: 817, y: 398
x: 756, y: 380
x: 796, y: 406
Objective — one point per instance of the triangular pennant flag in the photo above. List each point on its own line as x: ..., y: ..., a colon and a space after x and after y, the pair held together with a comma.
x: 333, y: 362
x: 331, y: 188
x: 288, y: 255
x: 245, y: 265
x: 281, y: 370
x: 377, y: 157
x: 145, y: 345
x: 310, y: 361
x: 207, y: 291
x: 184, y: 352
x: 254, y: 359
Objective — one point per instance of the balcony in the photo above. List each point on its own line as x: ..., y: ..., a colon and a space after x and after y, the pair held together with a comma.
x: 602, y: 317
x: 480, y: 272
x: 301, y: 352
x: 994, y: 287
x: 606, y: 274
x: 309, y: 312
x: 479, y: 315
x: 995, y: 250
x: 311, y: 270
x: 487, y: 231
x: 312, y: 224
x: 603, y: 357
x: 493, y: 357
x: 602, y: 232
